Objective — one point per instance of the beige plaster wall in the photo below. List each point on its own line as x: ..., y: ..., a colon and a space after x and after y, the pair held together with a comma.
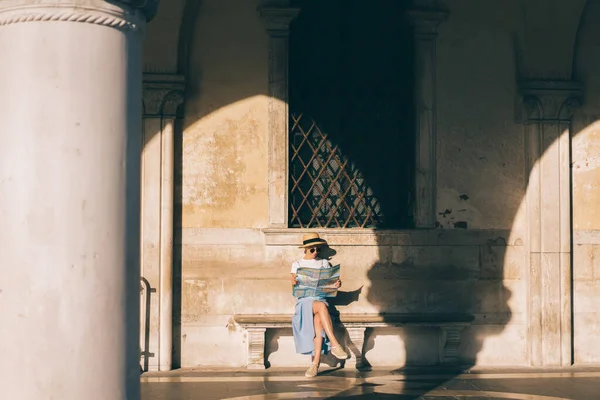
x: 480, y: 151
x: 224, y: 179
x: 231, y: 271
x: 225, y: 143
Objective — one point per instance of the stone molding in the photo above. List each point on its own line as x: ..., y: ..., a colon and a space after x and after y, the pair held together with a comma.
x: 372, y: 237
x: 278, y: 19
x: 163, y: 94
x: 358, y: 237
x: 549, y: 101
x: 112, y: 17
x: 58, y: 16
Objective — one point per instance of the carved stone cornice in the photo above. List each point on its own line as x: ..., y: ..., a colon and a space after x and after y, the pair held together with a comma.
x: 426, y: 21
x: 115, y: 14
x: 278, y: 19
x: 163, y: 94
x: 549, y: 101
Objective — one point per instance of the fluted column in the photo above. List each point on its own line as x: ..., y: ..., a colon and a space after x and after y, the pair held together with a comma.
x: 70, y: 143
x: 163, y: 94
x: 548, y: 106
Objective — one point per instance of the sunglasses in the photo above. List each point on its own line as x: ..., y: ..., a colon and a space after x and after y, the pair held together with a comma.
x: 312, y: 250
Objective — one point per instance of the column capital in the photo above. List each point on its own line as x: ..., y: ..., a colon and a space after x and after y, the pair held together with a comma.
x: 119, y: 14
x: 426, y: 20
x: 163, y: 94
x: 549, y: 101
x: 278, y: 19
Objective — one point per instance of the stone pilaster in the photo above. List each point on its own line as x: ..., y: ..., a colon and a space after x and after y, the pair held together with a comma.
x: 449, y: 343
x: 278, y: 21
x: 425, y: 23
x: 163, y: 94
x: 256, y: 348
x: 546, y: 114
x: 70, y: 150
x: 356, y: 335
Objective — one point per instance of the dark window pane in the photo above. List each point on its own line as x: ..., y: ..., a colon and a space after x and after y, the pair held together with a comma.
x: 351, y: 115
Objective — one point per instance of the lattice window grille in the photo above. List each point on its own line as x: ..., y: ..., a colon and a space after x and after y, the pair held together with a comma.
x: 327, y: 190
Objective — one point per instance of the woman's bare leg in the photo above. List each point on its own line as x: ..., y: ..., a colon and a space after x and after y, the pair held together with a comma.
x: 320, y: 310
x: 318, y: 340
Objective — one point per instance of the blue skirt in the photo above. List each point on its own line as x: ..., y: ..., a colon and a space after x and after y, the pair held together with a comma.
x: 304, y: 329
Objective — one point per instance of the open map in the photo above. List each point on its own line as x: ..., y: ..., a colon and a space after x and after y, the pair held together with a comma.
x: 313, y: 282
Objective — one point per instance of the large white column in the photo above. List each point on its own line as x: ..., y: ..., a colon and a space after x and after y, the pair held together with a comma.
x: 70, y: 142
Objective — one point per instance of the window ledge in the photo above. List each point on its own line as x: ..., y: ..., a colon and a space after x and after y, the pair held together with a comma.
x: 405, y: 237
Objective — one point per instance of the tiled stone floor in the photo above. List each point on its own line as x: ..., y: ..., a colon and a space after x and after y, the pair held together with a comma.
x: 518, y: 384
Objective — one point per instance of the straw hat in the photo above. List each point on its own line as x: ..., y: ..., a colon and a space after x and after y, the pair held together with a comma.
x: 311, y: 240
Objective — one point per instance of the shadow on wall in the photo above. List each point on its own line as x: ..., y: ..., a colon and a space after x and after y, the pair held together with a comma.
x: 359, y: 92
x: 444, y: 283
x: 363, y: 103
x: 425, y: 291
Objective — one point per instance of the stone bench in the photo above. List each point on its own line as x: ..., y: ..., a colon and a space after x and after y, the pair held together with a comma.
x: 450, y: 329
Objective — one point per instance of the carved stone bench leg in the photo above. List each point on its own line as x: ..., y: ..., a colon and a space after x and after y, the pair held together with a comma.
x: 449, y: 342
x: 256, y: 348
x: 355, y: 347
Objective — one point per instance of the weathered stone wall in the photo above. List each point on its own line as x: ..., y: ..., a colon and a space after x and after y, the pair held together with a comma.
x: 230, y: 271
x: 225, y: 143
x: 481, y: 174
x: 475, y: 262
x: 230, y: 266
x: 480, y: 164
x: 224, y: 182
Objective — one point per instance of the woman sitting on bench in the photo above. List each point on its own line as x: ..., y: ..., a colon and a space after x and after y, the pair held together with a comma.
x: 311, y: 324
